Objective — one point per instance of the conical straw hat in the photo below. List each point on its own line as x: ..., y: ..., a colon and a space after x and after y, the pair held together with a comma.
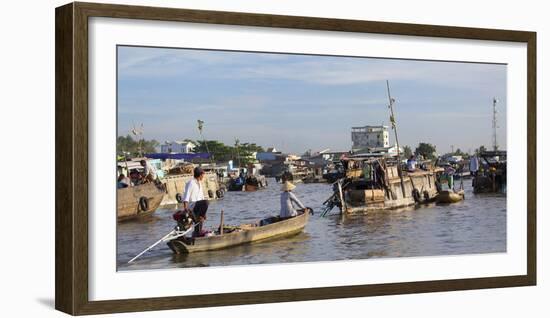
x: 287, y: 186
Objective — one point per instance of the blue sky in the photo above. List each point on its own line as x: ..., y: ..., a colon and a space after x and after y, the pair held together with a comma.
x: 300, y: 102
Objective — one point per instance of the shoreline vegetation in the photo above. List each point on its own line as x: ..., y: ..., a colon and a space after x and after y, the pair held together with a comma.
x: 221, y: 152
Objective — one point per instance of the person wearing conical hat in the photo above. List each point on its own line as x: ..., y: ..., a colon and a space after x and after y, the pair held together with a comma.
x: 289, y: 201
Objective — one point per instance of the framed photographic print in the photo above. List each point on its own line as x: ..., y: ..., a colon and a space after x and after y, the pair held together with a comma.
x: 210, y: 158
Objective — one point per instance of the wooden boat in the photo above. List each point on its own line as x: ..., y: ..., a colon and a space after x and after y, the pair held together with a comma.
x: 447, y: 196
x: 248, y: 184
x: 175, y: 185
x: 236, y: 183
x: 250, y: 188
x: 376, y: 183
x: 492, y: 179
x: 243, y: 234
x: 314, y: 179
x: 137, y: 201
x: 254, y: 183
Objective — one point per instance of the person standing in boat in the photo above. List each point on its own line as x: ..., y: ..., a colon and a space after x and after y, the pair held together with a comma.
x: 149, y: 172
x: 449, y: 174
x: 474, y: 165
x: 288, y: 200
x: 411, y: 164
x: 194, y: 201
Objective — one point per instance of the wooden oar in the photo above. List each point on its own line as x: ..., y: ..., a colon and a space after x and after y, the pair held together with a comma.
x: 170, y: 236
x: 221, y: 223
x: 343, y: 204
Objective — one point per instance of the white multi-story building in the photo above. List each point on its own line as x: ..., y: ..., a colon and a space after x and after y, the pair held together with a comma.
x: 370, y: 137
x: 177, y: 147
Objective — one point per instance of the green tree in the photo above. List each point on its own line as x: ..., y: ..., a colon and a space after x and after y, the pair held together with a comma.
x: 149, y: 146
x: 426, y: 150
x: 245, y: 152
x: 127, y: 146
x: 218, y: 150
x: 407, y: 151
x: 459, y: 152
x: 240, y: 153
x: 480, y: 150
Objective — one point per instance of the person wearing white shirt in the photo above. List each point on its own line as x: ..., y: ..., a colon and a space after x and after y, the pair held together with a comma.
x: 474, y: 165
x: 149, y: 172
x: 193, y: 199
x: 289, y: 202
x: 411, y: 164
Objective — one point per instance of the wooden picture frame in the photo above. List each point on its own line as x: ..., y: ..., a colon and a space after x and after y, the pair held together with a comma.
x: 71, y: 90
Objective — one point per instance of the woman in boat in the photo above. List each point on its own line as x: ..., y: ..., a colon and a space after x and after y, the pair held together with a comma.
x: 288, y: 200
x: 449, y: 174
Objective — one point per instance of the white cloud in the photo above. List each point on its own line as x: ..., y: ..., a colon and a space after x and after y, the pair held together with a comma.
x: 322, y: 70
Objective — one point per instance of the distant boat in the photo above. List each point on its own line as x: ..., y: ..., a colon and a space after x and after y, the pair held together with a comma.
x: 491, y: 177
x: 449, y: 196
x: 314, y: 179
x: 254, y: 183
x: 235, y: 184
x: 243, y: 234
x: 248, y: 183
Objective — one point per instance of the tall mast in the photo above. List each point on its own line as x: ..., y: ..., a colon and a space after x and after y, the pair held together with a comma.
x: 394, y: 127
x: 238, y: 152
x: 138, y: 133
x: 392, y: 119
x: 495, y: 125
x: 200, y: 124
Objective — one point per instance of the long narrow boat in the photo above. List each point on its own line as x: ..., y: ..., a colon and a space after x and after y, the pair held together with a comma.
x: 243, y: 234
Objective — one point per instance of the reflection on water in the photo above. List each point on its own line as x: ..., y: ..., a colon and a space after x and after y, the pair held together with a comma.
x: 476, y: 225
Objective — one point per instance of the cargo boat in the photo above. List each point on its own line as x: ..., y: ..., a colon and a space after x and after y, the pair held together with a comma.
x: 374, y: 184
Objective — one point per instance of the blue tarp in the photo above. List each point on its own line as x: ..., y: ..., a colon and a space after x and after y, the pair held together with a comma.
x: 180, y: 156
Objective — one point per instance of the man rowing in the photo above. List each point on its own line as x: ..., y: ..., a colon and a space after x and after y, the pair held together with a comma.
x: 193, y: 199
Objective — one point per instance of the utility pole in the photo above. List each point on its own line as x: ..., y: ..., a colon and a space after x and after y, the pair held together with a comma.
x: 138, y: 133
x: 495, y: 125
x: 237, y: 141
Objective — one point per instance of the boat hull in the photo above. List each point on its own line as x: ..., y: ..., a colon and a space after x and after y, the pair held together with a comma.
x: 248, y: 235
x: 130, y: 201
x: 449, y: 196
x: 399, y: 195
x: 250, y: 188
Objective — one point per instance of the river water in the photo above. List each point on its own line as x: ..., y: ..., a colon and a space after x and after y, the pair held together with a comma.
x: 475, y: 225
